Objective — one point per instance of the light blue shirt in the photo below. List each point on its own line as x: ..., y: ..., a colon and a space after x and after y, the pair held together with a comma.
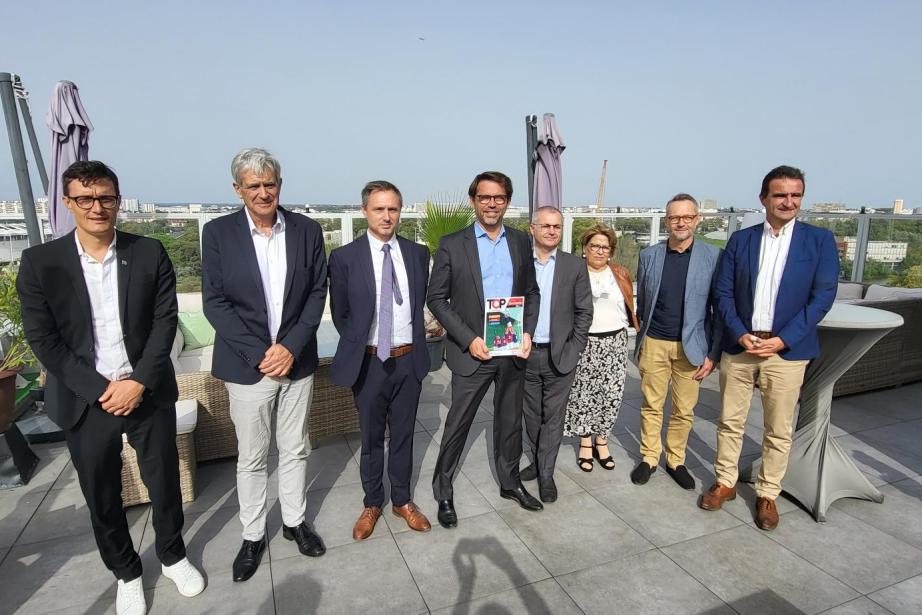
x: 495, y: 263
x: 544, y: 272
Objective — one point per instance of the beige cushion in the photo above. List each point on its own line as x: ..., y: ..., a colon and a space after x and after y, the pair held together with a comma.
x: 876, y: 292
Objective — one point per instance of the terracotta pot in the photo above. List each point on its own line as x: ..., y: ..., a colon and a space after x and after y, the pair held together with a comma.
x: 7, y: 398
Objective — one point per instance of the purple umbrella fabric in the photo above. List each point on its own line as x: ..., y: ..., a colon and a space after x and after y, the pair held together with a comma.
x: 70, y: 141
x: 548, y: 188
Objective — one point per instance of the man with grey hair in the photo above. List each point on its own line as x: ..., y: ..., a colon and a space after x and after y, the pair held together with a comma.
x: 560, y: 337
x: 264, y: 285
x: 679, y: 338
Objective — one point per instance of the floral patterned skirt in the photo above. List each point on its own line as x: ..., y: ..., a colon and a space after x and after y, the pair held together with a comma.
x: 598, y: 387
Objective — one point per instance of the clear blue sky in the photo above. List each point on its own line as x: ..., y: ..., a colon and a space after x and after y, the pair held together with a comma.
x: 700, y: 97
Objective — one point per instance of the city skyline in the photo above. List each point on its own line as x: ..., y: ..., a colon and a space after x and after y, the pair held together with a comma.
x: 703, y: 99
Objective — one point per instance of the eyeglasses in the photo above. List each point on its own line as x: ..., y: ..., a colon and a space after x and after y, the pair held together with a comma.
x: 548, y: 227
x: 499, y: 199
x: 597, y: 247
x: 86, y: 202
x: 685, y: 219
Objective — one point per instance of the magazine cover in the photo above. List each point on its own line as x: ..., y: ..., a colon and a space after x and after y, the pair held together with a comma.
x: 502, y: 327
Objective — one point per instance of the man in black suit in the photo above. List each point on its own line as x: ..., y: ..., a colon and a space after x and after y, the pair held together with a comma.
x: 264, y: 284
x: 107, y: 353
x: 560, y: 337
x: 377, y: 293
x: 485, y: 260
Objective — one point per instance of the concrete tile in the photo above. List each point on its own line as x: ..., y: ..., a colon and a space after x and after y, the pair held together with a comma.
x: 220, y: 596
x: 575, y: 533
x: 104, y: 605
x: 215, y: 486
x: 599, y: 477
x: 17, y: 506
x: 565, y: 485
x: 53, y: 458
x: 38, y: 578
x: 850, y: 550
x: 480, y: 557
x: 897, y: 440
x: 64, y: 512
x: 858, y: 606
x: 67, y: 478
x: 425, y: 449
x: 330, y: 466
x: 468, y: 501
x: 903, y: 598
x: 368, y: 577
x: 850, y: 415
x: 754, y: 574
x: 644, y: 583
x: 482, y: 476
x: 898, y: 515
x: 899, y: 402
x: 879, y: 460
x: 541, y: 597
x: 662, y: 512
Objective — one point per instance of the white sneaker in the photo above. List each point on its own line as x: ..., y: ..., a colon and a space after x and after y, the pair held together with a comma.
x: 189, y: 581
x: 130, y: 598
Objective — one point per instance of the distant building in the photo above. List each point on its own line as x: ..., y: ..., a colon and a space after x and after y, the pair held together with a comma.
x: 898, y: 207
x: 130, y: 206
x: 708, y: 206
x: 195, y: 208
x: 892, y: 252
x: 147, y: 208
x: 829, y: 208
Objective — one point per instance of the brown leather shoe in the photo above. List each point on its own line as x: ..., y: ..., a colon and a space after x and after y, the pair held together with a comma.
x: 366, y: 523
x: 415, y: 519
x: 716, y: 496
x: 766, y: 514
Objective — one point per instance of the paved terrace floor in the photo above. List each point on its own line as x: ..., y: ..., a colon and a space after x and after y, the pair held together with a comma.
x: 606, y: 546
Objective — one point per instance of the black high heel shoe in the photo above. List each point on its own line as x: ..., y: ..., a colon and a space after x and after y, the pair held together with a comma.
x: 608, y: 463
x: 584, y: 463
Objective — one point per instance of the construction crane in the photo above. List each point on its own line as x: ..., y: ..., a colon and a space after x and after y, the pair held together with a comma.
x: 600, y: 199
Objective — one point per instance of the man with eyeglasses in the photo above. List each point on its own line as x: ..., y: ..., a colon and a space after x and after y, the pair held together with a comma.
x: 679, y: 339
x: 264, y: 285
x: 560, y: 336
x: 99, y: 310
x: 775, y: 284
x: 485, y: 260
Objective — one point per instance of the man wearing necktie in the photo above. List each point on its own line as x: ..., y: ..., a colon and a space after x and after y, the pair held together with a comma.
x: 377, y: 293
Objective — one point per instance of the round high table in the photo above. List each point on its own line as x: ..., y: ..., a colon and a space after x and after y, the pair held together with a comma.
x: 819, y: 471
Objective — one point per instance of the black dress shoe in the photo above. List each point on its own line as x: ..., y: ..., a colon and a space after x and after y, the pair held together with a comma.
x: 681, y: 476
x: 547, y: 489
x: 448, y: 518
x: 641, y: 474
x: 529, y: 473
x: 525, y: 499
x: 309, y: 543
x: 248, y: 558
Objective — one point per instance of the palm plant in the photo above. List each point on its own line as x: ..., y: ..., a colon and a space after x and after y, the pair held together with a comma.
x: 16, y: 349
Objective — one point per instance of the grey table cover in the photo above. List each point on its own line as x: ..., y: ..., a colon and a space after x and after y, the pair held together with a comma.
x: 819, y: 471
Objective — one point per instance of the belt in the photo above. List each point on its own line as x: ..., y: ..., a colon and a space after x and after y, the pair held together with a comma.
x: 606, y: 333
x: 763, y: 334
x: 541, y: 345
x: 396, y: 351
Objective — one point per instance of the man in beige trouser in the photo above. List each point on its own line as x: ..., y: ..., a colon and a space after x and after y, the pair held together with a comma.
x: 770, y: 333
x: 678, y: 341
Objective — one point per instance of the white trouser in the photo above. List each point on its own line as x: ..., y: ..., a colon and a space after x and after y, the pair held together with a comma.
x: 251, y: 407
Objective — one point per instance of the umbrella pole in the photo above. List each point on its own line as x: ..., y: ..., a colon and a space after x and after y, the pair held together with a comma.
x: 18, y: 152
x: 23, y: 97
x: 531, y: 142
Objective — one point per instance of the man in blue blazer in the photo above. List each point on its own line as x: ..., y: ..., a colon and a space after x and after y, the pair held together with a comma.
x: 264, y: 285
x: 776, y: 282
x: 377, y: 293
x: 679, y: 338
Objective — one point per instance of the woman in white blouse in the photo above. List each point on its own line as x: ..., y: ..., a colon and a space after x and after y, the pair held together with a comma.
x: 598, y: 387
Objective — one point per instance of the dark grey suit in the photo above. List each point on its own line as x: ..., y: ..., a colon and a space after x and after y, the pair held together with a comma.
x: 456, y: 299
x: 550, y: 371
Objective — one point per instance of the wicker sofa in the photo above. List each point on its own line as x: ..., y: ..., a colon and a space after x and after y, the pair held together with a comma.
x: 897, y: 358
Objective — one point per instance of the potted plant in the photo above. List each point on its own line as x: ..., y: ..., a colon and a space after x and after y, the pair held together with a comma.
x: 16, y: 351
x: 444, y: 215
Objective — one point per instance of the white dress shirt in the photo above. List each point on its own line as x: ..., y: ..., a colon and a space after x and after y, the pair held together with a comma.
x: 273, y: 266
x: 773, y: 255
x: 402, y: 327
x: 101, y: 280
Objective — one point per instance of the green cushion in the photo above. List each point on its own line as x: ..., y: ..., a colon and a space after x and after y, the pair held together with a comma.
x: 196, y: 330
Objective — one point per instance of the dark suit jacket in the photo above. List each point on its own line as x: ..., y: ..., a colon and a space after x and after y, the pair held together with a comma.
x: 235, y: 304
x: 808, y: 288
x: 58, y: 322
x: 352, y: 302
x: 571, y: 311
x: 456, y: 292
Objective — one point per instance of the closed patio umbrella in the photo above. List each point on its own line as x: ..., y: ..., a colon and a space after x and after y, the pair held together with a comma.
x: 548, y: 187
x: 70, y: 141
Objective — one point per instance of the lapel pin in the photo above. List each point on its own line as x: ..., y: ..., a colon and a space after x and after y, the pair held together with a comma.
x: 124, y: 262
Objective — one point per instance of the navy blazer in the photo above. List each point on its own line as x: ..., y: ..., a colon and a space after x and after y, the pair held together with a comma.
x: 352, y: 301
x: 58, y: 321
x: 456, y: 292
x: 701, y: 327
x: 235, y: 303
x: 808, y: 288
